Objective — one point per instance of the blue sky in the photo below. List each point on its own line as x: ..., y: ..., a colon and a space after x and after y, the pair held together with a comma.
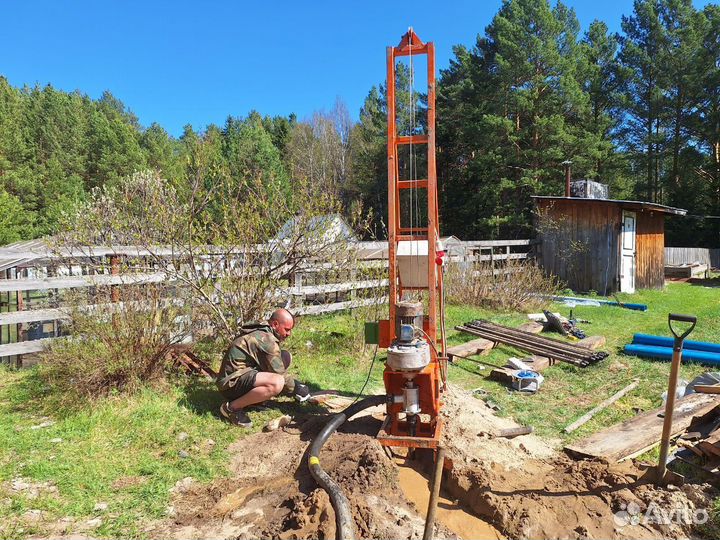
x: 197, y: 62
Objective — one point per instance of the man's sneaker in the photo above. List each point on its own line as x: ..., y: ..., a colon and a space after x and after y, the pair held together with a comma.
x: 236, y: 418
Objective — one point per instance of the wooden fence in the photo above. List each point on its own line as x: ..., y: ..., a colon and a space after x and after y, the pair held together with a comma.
x: 31, y: 315
x: 686, y: 255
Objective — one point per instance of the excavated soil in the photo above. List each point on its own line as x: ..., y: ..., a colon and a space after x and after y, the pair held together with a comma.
x: 523, y: 486
x: 273, y: 495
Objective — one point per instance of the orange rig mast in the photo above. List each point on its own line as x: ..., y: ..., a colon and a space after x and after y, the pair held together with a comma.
x: 415, y: 371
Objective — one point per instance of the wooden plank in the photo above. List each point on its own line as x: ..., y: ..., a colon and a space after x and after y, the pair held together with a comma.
x: 307, y: 290
x: 36, y: 315
x: 538, y: 363
x: 337, y: 306
x: 25, y: 347
x: 707, y: 388
x: 503, y: 375
x: 532, y: 327
x: 592, y: 342
x: 642, y: 432
x: 498, y: 243
x: 30, y: 284
x: 603, y: 405
x: 471, y: 348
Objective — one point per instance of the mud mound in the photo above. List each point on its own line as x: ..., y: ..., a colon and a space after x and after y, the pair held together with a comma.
x: 469, y: 429
x: 272, y: 495
x: 528, y: 490
x: 523, y: 486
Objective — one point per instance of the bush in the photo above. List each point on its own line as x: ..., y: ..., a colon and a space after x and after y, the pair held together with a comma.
x: 108, y: 353
x: 516, y: 285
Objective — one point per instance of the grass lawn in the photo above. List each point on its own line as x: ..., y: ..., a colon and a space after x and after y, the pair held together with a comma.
x: 129, y: 451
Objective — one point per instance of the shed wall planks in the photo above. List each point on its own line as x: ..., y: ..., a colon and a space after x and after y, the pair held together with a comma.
x: 650, y: 238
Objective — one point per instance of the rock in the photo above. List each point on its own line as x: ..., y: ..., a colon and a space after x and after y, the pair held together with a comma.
x: 33, y: 515
x: 100, y: 507
x: 309, y: 344
x: 56, y: 440
x: 96, y: 522
x: 45, y: 424
x: 183, y: 485
x: 183, y: 454
x: 277, y: 423
x: 182, y: 436
x: 18, y: 484
x: 210, y: 442
x: 170, y: 511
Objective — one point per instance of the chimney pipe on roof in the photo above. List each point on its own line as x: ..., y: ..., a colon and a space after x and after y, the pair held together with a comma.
x: 567, y: 164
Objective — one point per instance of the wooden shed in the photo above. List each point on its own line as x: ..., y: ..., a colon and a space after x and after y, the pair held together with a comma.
x: 603, y: 245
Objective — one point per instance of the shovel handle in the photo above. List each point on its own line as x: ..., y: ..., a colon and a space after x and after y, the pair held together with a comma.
x: 681, y: 318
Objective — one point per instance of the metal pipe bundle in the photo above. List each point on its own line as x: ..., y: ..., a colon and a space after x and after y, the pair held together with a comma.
x: 558, y: 350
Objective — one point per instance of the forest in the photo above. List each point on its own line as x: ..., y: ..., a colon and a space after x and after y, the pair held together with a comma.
x: 638, y: 110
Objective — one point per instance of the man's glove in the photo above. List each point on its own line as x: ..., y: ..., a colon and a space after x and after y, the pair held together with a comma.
x: 302, y: 392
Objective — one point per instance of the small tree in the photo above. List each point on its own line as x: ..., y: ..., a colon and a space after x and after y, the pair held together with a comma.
x: 218, y: 243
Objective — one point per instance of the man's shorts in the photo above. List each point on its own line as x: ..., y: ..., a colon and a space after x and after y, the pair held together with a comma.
x: 243, y: 384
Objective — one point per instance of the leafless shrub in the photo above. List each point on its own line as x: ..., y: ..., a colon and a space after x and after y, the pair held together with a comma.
x: 515, y: 285
x: 114, y: 346
x: 231, y: 247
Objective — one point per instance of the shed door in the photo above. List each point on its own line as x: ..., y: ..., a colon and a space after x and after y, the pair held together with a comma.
x: 627, y: 253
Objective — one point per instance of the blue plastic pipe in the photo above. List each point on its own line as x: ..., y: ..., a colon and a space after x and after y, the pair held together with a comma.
x: 662, y: 341
x: 589, y: 301
x: 665, y: 353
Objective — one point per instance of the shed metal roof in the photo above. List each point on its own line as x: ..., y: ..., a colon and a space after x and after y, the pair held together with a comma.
x: 638, y: 205
x: 16, y: 254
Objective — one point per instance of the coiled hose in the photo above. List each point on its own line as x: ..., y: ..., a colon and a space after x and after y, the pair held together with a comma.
x: 343, y: 516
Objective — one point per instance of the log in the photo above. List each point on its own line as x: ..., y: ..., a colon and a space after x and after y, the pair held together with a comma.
x: 641, y: 433
x: 511, y: 433
x: 609, y: 401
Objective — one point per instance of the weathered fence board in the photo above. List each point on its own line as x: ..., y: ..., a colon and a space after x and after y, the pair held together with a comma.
x: 686, y: 255
x: 313, y: 297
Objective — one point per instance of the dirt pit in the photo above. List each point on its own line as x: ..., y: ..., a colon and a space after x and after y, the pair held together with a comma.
x: 273, y: 495
x: 523, y: 486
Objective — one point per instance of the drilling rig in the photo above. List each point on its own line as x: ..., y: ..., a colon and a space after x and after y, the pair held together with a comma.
x: 416, y: 364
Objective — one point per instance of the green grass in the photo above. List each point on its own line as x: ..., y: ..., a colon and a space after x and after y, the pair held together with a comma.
x: 123, y: 437
x: 568, y: 391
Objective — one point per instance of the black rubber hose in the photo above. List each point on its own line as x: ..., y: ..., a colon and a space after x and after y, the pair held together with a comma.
x: 343, y: 516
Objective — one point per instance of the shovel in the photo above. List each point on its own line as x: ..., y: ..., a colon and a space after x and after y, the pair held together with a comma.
x: 672, y: 388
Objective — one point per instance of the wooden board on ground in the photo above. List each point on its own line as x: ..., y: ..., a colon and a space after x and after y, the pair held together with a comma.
x: 643, y: 432
x: 533, y: 327
x: 503, y: 375
x: 592, y: 342
x: 707, y: 388
x: 538, y: 363
x: 710, y: 446
x: 471, y: 348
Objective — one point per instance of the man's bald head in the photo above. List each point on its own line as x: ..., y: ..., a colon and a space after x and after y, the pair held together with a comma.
x: 282, y: 322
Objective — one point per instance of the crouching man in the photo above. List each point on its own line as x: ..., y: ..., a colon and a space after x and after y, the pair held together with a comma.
x: 255, y: 369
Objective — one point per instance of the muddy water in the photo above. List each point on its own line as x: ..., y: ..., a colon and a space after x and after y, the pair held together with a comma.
x: 466, y: 525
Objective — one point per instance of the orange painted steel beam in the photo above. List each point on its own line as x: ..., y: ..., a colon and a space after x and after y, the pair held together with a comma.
x: 413, y: 139
x: 408, y: 184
